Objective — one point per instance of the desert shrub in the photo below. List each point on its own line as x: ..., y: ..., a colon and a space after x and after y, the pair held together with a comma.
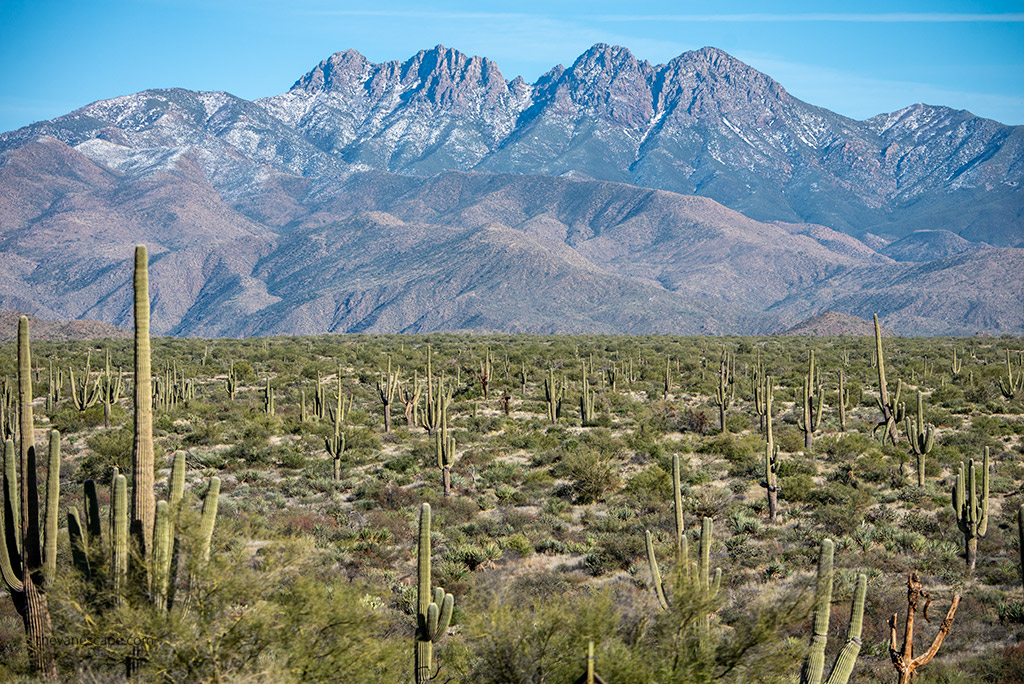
x: 590, y: 475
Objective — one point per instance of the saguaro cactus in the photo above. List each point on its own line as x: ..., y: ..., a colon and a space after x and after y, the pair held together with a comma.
x: 971, y: 510
x: 1020, y: 539
x: 957, y: 365
x: 587, y: 396
x: 433, y: 608
x: 723, y: 397
x: 814, y: 664
x: 771, y: 454
x: 387, y: 386
x: 921, y: 438
x: 232, y: 382
x: 410, y: 397
x: 813, y: 398
x: 695, y: 578
x: 143, y: 468
x: 110, y: 390
x: 553, y: 396
x: 485, y: 374
x: 436, y: 406
x: 444, y: 444
x: 27, y: 562
x: 843, y: 401
x: 903, y: 658
x: 1010, y: 385
x: 760, y: 390
x: 682, y: 545
x: 268, y: 399
x: 891, y: 408
x: 335, y: 446
x: 85, y: 394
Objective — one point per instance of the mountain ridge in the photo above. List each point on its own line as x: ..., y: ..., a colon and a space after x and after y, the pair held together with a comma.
x: 610, y: 175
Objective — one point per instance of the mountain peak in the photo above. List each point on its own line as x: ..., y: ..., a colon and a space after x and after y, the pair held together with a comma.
x: 334, y: 73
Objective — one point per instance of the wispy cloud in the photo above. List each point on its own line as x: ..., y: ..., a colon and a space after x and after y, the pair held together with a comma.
x: 417, y: 14
x: 842, y: 17
x: 747, y: 17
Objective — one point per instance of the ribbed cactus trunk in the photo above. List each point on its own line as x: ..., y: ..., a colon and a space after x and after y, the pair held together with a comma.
x: 35, y: 613
x: 1020, y: 539
x: 424, y: 646
x: 143, y: 470
x: 847, y: 657
x: 814, y: 664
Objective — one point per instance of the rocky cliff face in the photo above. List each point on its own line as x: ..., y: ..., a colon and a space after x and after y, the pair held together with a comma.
x: 433, y: 193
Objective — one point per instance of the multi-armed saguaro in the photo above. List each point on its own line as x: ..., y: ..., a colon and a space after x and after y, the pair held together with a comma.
x: 890, y: 406
x: 971, y: 511
x: 433, y: 607
x: 814, y: 664
x: 553, y: 391
x: 387, y: 386
x: 587, y: 396
x: 813, y: 397
x: 28, y: 562
x: 921, y: 438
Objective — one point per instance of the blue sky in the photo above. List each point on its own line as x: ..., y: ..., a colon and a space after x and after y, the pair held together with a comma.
x: 59, y: 55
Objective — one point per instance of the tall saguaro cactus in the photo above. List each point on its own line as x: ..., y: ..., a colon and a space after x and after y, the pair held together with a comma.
x: 771, y: 453
x: 971, y: 510
x: 1010, y: 385
x: 723, y: 398
x: 921, y: 438
x: 813, y: 398
x: 27, y: 562
x: 890, y: 406
x: 587, y: 396
x: 814, y: 664
x: 143, y: 468
x: 843, y: 401
x: 433, y: 606
x: 387, y: 386
x: 445, y: 446
x: 553, y: 391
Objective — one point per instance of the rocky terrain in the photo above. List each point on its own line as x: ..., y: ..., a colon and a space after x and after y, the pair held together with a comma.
x: 435, y: 194
x: 59, y: 331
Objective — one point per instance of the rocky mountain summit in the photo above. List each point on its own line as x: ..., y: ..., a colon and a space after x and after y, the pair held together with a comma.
x: 435, y: 194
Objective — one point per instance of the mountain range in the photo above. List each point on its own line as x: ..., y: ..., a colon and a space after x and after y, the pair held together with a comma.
x: 609, y: 196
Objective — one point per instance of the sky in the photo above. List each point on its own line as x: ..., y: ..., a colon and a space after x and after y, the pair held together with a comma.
x: 59, y: 55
